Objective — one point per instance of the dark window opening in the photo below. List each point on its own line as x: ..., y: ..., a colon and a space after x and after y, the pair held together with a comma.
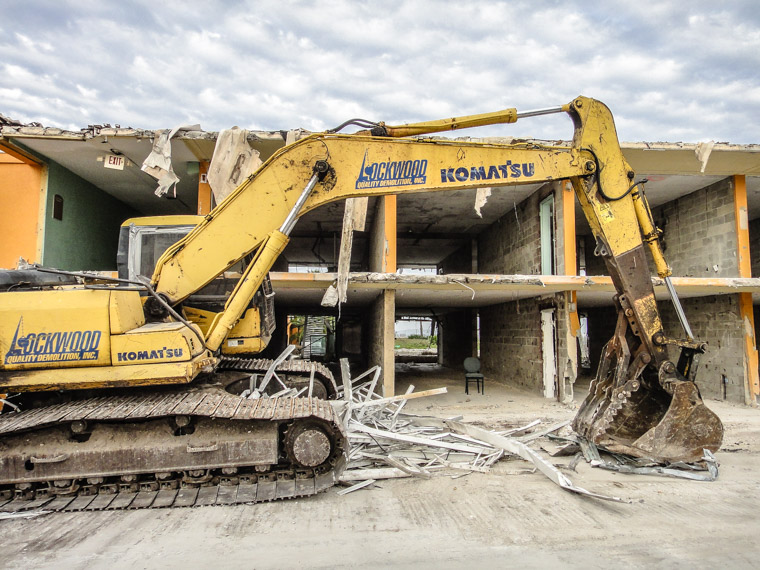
x: 58, y: 207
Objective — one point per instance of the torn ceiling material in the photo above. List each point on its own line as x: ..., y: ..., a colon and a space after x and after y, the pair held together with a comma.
x: 159, y: 162
x: 672, y: 168
x: 234, y: 159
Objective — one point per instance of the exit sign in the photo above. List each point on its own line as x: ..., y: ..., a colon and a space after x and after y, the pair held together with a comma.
x: 114, y: 161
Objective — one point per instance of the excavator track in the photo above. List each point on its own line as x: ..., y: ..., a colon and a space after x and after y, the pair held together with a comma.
x: 297, y: 371
x: 170, y: 449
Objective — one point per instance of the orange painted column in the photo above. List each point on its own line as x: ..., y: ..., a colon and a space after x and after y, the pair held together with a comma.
x: 752, y: 375
x: 569, y: 257
x: 204, y: 190
x: 565, y: 381
x: 22, y: 205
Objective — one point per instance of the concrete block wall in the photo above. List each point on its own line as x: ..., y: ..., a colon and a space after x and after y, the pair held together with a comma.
x: 699, y: 241
x: 700, y: 232
x: 510, y: 343
x: 715, y: 320
x: 510, y: 333
x: 699, y: 235
x: 459, y: 261
x: 512, y: 245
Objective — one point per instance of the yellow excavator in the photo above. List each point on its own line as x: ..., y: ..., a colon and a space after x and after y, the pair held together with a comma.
x: 116, y: 396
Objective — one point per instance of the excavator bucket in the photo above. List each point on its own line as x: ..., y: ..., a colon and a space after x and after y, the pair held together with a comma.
x: 630, y: 410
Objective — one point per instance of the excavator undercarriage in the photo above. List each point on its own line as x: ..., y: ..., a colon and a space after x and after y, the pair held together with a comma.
x: 197, y: 446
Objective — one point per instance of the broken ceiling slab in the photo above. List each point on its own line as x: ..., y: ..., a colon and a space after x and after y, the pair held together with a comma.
x: 684, y: 158
x: 672, y: 168
x: 82, y: 152
x: 453, y: 291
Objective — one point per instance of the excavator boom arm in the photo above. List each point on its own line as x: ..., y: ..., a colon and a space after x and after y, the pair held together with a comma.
x: 258, y: 216
x: 360, y: 165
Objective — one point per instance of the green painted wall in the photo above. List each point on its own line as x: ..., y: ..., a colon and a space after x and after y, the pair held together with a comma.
x: 88, y: 234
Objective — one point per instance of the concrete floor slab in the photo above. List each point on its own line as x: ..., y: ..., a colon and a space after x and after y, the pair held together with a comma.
x: 509, y: 518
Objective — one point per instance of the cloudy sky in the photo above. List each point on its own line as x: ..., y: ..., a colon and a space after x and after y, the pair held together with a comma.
x: 669, y: 70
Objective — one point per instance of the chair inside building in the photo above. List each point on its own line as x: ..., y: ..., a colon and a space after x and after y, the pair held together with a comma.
x: 472, y: 374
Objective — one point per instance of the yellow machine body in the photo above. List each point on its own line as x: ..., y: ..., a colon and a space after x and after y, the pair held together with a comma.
x: 244, y: 338
x: 90, y: 338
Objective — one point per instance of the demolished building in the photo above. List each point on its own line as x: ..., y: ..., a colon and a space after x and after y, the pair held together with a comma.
x: 508, y: 274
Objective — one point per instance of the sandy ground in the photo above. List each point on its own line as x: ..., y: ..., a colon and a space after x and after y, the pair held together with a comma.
x: 509, y: 518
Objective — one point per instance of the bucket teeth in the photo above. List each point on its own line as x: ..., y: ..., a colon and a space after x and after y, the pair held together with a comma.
x: 645, y: 407
x: 644, y: 420
x: 687, y: 428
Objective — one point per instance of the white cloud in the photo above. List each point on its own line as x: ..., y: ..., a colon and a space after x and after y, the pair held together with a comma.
x: 665, y: 69
x: 91, y: 94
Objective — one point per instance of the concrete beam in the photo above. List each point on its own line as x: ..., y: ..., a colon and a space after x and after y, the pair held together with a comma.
x: 382, y: 338
x: 459, y: 290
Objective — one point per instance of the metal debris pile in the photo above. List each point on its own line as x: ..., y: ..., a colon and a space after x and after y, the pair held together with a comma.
x: 599, y: 456
x: 388, y: 443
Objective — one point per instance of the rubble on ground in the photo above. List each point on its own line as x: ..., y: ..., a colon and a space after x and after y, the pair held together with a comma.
x: 387, y: 443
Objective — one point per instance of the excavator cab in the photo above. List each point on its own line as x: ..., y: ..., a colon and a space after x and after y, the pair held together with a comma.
x: 142, y: 241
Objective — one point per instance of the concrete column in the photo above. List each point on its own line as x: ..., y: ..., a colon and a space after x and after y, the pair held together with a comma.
x: 567, y: 317
x: 382, y: 259
x: 382, y: 338
x: 567, y: 263
x: 751, y: 374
